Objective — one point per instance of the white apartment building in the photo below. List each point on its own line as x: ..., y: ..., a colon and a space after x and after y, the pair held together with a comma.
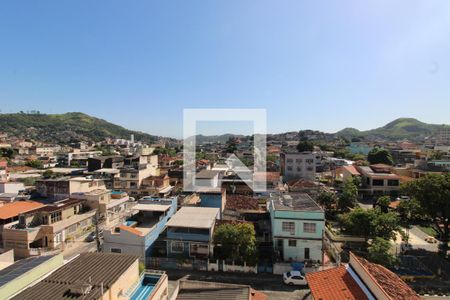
x: 298, y: 165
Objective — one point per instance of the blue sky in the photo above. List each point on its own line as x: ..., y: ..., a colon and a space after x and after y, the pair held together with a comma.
x: 312, y: 64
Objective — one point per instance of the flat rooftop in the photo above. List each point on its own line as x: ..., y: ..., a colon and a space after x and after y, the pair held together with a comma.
x: 194, y: 217
x: 295, y: 201
x: 21, y: 267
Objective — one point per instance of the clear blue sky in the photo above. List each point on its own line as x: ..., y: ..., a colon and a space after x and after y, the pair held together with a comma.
x: 312, y: 64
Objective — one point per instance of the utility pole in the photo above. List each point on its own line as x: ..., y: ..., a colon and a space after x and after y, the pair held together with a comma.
x: 97, y: 237
x: 323, y: 249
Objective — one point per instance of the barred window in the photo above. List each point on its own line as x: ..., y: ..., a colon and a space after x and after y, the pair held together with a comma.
x: 288, y: 227
x: 309, y: 227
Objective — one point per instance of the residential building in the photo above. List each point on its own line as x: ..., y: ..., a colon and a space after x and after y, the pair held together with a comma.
x: 100, y: 276
x: 60, y: 188
x: 11, y: 187
x: 4, y: 174
x: 190, y: 232
x: 297, y: 227
x: 298, y: 165
x: 24, y: 272
x: 138, y: 233
x: 378, y: 180
x: 48, y: 228
x: 104, y: 162
x: 359, y: 280
x: 346, y: 172
x: 112, y: 206
x: 157, y: 185
x: 10, y: 213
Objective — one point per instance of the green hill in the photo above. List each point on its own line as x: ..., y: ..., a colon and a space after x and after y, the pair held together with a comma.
x: 64, y: 128
x: 401, y: 128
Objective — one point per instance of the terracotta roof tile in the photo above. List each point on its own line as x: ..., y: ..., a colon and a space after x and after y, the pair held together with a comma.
x: 11, y: 210
x: 240, y: 202
x: 130, y: 229
x: 392, y: 284
x: 334, y: 284
x: 256, y: 295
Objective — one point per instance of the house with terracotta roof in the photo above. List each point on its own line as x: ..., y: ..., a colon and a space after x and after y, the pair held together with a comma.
x: 138, y: 233
x: 346, y: 172
x: 48, y: 228
x: 10, y: 213
x: 359, y: 280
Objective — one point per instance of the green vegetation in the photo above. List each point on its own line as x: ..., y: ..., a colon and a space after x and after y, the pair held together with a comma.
x: 370, y: 223
x: 433, y: 194
x: 65, y: 128
x: 305, y: 146
x: 327, y: 199
x: 37, y: 164
x: 429, y: 230
x: 402, y: 128
x: 380, y: 252
x: 380, y: 156
x: 236, y: 241
x: 349, y: 196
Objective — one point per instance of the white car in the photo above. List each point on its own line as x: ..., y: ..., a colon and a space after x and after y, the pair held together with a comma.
x: 294, y: 278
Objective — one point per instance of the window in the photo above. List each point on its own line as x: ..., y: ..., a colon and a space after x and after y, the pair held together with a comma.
x: 280, y: 243
x: 392, y: 182
x: 309, y: 161
x: 71, y: 229
x: 57, y: 238
x: 299, y: 160
x: 299, y: 169
x: 289, y: 168
x: 306, y: 253
x: 378, y: 182
x: 309, y: 227
x: 116, y: 250
x: 177, y: 247
x: 55, y: 217
x: 289, y: 160
x: 288, y: 227
x: 292, y: 243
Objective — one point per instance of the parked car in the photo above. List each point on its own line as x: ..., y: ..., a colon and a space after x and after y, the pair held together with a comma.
x: 431, y: 240
x: 91, y: 237
x: 294, y: 278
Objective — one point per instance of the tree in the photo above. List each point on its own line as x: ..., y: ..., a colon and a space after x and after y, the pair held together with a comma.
x: 380, y: 252
x: 410, y: 211
x: 236, y: 241
x: 6, y: 152
x: 383, y: 203
x: 48, y: 174
x: 305, y: 146
x: 326, y: 199
x: 370, y: 223
x: 433, y: 194
x: 380, y: 156
x: 37, y: 164
x: 349, y: 196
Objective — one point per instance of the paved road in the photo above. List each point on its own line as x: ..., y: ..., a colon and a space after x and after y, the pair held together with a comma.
x: 271, y: 285
x: 78, y: 248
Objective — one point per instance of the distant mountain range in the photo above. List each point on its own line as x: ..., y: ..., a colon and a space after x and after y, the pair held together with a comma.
x: 76, y: 126
x: 402, y: 128
x: 65, y: 128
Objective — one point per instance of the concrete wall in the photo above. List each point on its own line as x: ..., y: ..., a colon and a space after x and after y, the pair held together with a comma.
x: 124, y: 283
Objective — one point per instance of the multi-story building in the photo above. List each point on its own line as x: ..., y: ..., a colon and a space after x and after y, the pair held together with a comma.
x: 190, y: 232
x: 112, y: 206
x: 138, y: 233
x: 60, y: 188
x: 298, y: 165
x: 297, y: 227
x: 378, y: 180
x: 48, y: 228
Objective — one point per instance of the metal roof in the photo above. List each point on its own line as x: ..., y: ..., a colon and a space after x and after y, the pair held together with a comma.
x: 21, y: 267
